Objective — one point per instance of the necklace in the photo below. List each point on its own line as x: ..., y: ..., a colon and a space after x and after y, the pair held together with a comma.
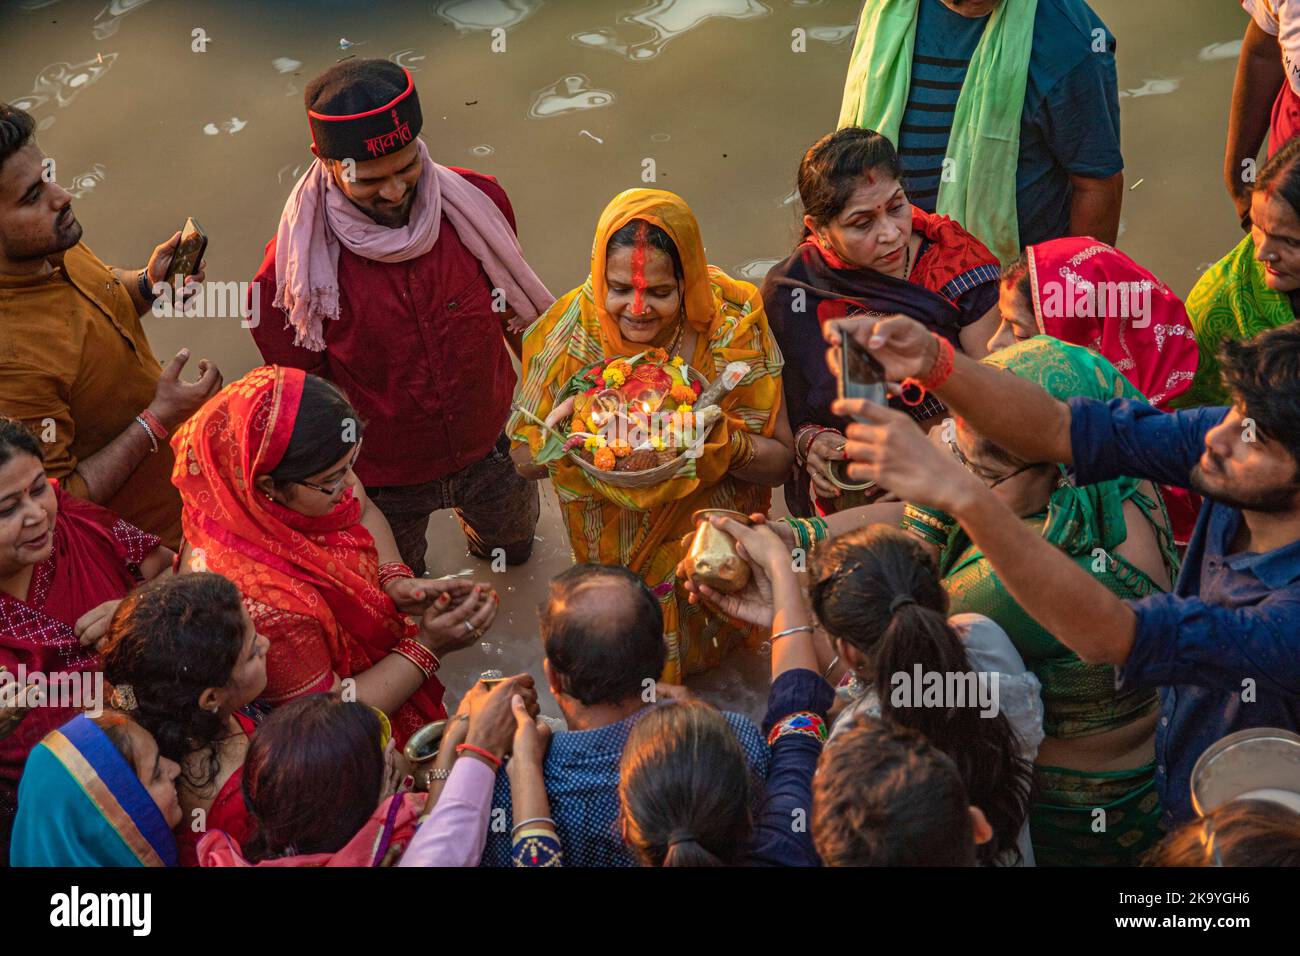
x: 677, y: 339
x: 907, y: 258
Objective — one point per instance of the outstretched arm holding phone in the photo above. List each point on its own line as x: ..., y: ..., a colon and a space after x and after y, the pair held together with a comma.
x: 1008, y: 410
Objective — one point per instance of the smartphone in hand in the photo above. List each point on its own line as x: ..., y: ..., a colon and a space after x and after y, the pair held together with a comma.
x: 189, y: 252
x: 861, y: 376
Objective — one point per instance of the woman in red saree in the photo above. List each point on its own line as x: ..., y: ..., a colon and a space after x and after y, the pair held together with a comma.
x: 865, y: 249
x: 61, y: 558
x: 270, y: 501
x: 1082, y: 291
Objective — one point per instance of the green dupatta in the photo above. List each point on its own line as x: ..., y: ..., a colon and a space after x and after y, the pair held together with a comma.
x: 1231, y: 300
x: 986, y: 125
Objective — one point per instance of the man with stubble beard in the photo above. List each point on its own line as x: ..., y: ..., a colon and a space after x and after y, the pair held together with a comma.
x: 75, y: 364
x: 401, y: 281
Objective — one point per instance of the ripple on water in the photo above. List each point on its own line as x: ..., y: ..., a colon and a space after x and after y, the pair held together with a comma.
x: 62, y: 82
x: 467, y: 15
x: 567, y: 95
x: 110, y: 18
x: 483, y: 149
x: 1153, y: 88
x: 666, y: 20
x: 755, y: 270
x: 1221, y: 51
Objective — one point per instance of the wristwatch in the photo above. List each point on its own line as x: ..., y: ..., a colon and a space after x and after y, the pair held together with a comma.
x: 145, y: 287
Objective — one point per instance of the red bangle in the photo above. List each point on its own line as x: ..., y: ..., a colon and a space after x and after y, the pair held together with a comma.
x: 820, y: 429
x: 419, y: 655
x: 154, y: 425
x: 485, y: 754
x: 393, y: 571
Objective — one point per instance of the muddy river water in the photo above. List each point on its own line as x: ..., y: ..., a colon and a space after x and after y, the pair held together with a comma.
x: 155, y: 110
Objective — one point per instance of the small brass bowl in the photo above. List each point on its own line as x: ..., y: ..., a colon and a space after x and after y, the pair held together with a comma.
x: 838, y: 471
x: 712, y: 558
x: 421, y: 751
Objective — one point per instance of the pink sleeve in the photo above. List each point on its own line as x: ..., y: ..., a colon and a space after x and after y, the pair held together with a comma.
x: 455, y: 832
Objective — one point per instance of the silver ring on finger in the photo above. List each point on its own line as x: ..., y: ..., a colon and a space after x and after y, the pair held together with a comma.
x: 469, y: 627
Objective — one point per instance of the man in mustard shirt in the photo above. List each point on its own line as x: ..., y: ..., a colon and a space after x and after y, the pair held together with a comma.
x: 75, y: 365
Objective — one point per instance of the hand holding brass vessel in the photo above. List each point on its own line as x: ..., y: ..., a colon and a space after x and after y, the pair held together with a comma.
x: 712, y: 558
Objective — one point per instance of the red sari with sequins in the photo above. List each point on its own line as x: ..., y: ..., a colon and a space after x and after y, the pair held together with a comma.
x: 310, y: 583
x: 94, y: 560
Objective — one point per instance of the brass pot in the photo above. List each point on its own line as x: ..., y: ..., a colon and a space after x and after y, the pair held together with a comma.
x: 421, y: 751
x: 838, y: 472
x: 712, y: 558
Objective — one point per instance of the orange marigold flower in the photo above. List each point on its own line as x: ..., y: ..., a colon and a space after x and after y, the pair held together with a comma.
x: 603, y: 459
x: 683, y: 394
x: 621, y: 449
x: 658, y: 356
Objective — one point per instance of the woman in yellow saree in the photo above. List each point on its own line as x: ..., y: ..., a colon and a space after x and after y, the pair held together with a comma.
x: 650, y: 287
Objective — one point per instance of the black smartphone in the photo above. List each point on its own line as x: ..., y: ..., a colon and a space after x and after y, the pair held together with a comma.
x: 861, y: 376
x: 189, y: 252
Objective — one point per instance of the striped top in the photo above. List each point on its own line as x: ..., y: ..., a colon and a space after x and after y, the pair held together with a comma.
x: 945, y: 42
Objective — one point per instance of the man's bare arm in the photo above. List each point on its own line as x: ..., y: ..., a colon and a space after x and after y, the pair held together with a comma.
x: 1260, y: 75
x: 108, y: 469
x: 1095, y: 207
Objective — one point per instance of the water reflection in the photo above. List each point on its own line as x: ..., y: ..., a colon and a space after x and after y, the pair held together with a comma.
x: 566, y: 95
x: 231, y: 126
x: 833, y: 34
x: 1221, y: 51
x: 486, y: 14
x: 84, y: 183
x: 1152, y: 88
x: 284, y: 64
x: 755, y: 270
x: 668, y: 19
x: 115, y: 11
x: 63, y: 81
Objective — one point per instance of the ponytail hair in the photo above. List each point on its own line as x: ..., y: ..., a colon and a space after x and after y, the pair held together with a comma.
x: 684, y: 788
x: 878, y: 590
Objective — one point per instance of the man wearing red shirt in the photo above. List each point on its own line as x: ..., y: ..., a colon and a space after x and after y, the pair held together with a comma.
x: 394, y: 278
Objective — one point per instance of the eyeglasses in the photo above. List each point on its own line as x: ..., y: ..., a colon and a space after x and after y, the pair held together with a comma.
x: 966, y: 463
x: 332, y: 490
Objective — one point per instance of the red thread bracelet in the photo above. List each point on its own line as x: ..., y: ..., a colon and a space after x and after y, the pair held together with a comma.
x: 939, y: 372
x: 157, y: 426
x: 485, y: 754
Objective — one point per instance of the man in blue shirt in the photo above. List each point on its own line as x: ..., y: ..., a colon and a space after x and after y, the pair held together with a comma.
x: 602, y: 630
x: 1069, y: 179
x: 1224, y: 647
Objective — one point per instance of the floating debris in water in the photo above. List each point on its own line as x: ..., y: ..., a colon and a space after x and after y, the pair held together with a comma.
x: 115, y: 11
x: 1220, y: 51
x: 756, y: 269
x: 467, y: 15
x: 284, y: 64
x: 1153, y: 88
x: 231, y: 126
x: 583, y: 132
x: 407, y: 59
x: 346, y: 44
x: 87, y: 181
x: 659, y: 137
x: 483, y: 149
x: 833, y: 34
x: 1136, y: 185
x: 790, y: 198
x: 667, y: 20
x: 567, y: 95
